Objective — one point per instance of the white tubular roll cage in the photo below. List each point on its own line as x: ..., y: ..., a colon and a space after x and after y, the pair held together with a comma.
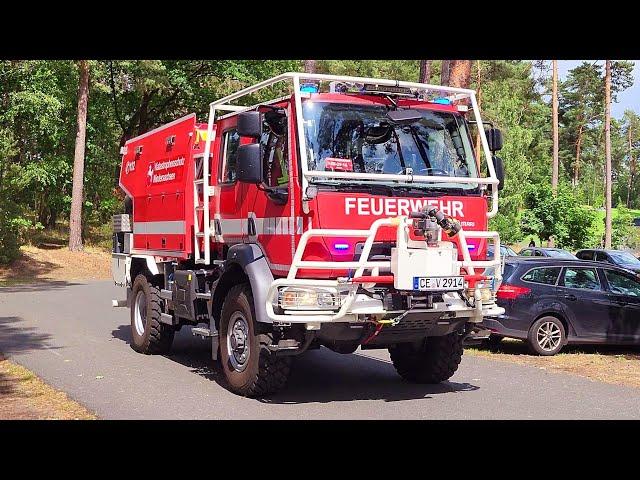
x: 454, y: 94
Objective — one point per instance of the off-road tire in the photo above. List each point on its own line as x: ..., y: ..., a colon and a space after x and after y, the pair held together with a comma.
x: 532, y: 341
x: 157, y: 337
x: 435, y: 361
x: 265, y: 373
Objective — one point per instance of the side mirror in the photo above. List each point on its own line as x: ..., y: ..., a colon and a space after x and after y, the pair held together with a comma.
x: 250, y: 124
x: 498, y: 165
x: 249, y: 166
x: 494, y: 139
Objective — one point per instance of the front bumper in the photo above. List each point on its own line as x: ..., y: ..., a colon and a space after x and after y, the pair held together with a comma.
x: 356, y: 307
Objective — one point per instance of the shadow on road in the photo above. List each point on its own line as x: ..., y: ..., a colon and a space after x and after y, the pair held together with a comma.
x: 16, y: 286
x: 17, y: 339
x: 318, y: 376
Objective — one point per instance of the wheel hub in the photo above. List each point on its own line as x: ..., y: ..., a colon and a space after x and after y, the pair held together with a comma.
x: 237, y: 341
x: 549, y: 336
x: 140, y: 312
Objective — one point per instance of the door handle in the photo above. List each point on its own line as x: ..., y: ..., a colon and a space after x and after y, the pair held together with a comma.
x: 571, y: 296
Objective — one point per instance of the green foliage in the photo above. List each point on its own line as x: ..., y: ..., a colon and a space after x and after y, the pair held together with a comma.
x: 623, y: 232
x: 38, y: 101
x: 561, y: 217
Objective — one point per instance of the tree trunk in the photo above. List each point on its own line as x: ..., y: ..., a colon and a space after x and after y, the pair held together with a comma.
x: 460, y: 73
x: 479, y: 100
x: 632, y: 165
x: 425, y: 71
x: 310, y: 66
x: 75, y: 219
x: 576, y: 167
x: 554, y: 175
x: 444, y: 72
x: 607, y: 152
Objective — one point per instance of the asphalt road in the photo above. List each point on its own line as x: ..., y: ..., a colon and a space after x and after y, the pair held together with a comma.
x: 70, y: 336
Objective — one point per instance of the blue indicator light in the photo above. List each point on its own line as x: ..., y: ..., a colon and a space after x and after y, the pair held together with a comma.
x: 308, y: 88
x: 341, y: 246
x: 471, y: 247
x: 442, y: 101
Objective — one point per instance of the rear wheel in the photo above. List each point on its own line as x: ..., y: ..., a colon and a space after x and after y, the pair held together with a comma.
x: 546, y: 336
x: 148, y: 335
x: 250, y: 368
x: 434, y: 361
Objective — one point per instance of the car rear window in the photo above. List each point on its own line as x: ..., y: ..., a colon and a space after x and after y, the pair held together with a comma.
x: 545, y: 275
x: 508, y: 270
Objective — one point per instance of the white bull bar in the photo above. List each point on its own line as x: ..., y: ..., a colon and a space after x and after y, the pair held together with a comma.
x: 349, y: 303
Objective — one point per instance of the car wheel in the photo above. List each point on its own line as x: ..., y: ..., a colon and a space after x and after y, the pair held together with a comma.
x: 546, y: 336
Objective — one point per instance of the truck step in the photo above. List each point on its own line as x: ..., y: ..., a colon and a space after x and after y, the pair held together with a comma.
x: 203, y: 296
x: 286, y: 344
x: 203, y: 332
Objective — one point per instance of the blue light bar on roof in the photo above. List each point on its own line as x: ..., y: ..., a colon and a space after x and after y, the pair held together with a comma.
x: 308, y: 88
x: 442, y: 101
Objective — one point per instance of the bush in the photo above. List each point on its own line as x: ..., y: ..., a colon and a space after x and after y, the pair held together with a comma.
x: 10, y: 227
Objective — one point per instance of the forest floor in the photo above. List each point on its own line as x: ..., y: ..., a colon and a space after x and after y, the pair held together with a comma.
x: 46, y: 258
x: 23, y: 396
x: 619, y: 365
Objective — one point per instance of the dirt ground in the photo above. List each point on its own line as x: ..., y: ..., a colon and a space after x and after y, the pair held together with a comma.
x: 23, y: 396
x: 604, y: 363
x: 54, y: 263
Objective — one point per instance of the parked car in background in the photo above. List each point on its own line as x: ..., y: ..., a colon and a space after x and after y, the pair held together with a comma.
x: 546, y: 252
x: 504, y: 251
x: 551, y: 302
x: 616, y: 257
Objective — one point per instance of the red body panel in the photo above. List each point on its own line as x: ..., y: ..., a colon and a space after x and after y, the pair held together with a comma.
x: 162, y: 189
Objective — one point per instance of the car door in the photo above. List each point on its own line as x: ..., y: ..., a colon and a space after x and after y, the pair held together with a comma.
x: 585, y: 302
x: 624, y: 293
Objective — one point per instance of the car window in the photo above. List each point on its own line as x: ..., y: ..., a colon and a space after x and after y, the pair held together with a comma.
x: 602, y: 257
x: 230, y: 143
x: 546, y: 275
x: 586, y: 255
x: 622, y: 284
x: 526, y: 253
x: 584, y: 278
x: 538, y: 253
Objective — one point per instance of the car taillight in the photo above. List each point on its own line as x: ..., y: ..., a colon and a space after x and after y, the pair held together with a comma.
x: 510, y: 292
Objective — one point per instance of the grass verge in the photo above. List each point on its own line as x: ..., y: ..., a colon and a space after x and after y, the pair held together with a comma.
x: 603, y: 363
x: 23, y: 396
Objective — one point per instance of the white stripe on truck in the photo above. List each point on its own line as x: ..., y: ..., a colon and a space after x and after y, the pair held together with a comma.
x: 168, y: 227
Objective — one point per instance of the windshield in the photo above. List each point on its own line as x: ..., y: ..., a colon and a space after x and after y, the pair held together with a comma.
x: 560, y: 254
x: 362, y: 138
x: 625, y: 258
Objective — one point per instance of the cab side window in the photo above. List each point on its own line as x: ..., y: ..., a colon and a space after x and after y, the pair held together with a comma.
x: 275, y: 143
x: 583, y: 278
x: 230, y: 143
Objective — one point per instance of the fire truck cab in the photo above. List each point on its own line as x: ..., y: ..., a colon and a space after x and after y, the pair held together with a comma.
x: 347, y: 213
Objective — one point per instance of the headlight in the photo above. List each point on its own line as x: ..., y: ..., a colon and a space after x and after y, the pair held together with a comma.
x: 306, y: 298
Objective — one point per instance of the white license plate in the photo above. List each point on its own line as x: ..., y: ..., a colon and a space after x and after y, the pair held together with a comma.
x: 438, y: 283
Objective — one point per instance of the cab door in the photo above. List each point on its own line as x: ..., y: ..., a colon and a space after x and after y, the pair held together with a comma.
x: 271, y: 222
x: 229, y: 220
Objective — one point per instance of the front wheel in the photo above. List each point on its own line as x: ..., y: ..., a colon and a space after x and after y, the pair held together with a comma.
x: 250, y: 368
x: 434, y: 361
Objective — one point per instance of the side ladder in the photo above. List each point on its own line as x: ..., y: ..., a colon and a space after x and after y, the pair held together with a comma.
x: 201, y: 194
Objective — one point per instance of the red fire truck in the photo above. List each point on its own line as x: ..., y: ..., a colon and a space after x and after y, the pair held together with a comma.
x: 349, y: 213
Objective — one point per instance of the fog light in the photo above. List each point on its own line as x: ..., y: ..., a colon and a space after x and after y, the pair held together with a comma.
x: 299, y: 298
